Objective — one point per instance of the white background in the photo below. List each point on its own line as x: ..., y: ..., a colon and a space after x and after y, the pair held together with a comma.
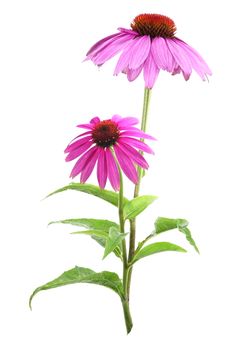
x: 179, y: 301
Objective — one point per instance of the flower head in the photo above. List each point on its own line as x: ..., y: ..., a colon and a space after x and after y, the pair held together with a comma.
x: 104, y: 139
x: 149, y: 46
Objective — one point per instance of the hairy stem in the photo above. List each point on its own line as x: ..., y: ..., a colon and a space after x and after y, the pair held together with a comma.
x: 146, y: 102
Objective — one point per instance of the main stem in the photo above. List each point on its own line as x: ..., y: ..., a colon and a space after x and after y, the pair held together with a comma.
x: 125, y: 300
x: 146, y: 102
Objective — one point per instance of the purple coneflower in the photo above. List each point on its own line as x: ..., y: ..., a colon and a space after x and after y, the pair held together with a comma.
x: 97, y: 145
x: 150, y: 45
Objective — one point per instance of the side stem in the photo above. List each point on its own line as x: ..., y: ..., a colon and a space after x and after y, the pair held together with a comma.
x: 146, y: 103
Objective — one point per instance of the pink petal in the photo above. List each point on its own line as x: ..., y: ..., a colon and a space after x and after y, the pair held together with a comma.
x: 162, y: 54
x: 138, y: 133
x: 126, y: 122
x: 139, y: 51
x: 89, y: 166
x: 113, y: 173
x: 123, y: 62
x: 129, y: 31
x: 102, y: 169
x: 81, y: 163
x: 112, y: 49
x: 132, y: 74
x: 85, y: 126
x: 126, y: 164
x: 180, y: 57
x: 79, y: 151
x: 134, y: 155
x: 102, y: 43
x: 116, y: 118
x: 150, y: 72
x: 198, y: 64
x: 95, y: 120
x: 77, y: 144
x: 136, y: 143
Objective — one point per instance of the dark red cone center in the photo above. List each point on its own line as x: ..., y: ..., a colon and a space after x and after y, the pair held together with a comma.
x: 154, y: 25
x: 105, y: 133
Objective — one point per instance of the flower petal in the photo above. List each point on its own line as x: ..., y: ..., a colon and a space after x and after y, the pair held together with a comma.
x: 123, y: 62
x: 113, y: 173
x: 76, y: 144
x: 89, y: 166
x: 129, y: 31
x: 102, y: 43
x: 180, y: 57
x: 102, y: 168
x: 126, y: 122
x: 140, y: 51
x: 116, y: 118
x: 81, y: 163
x: 134, y: 155
x: 162, y: 55
x: 150, y: 72
x: 95, y: 120
x: 112, y: 49
x: 136, y: 143
x: 132, y: 74
x: 137, y: 133
x: 126, y: 164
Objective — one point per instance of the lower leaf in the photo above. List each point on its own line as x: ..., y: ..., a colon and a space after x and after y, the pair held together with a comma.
x: 83, y: 275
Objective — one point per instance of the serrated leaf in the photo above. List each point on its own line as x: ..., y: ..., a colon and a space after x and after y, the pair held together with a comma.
x: 107, y: 195
x: 113, y: 241
x: 90, y: 223
x: 83, y: 275
x: 134, y: 207
x: 163, y: 224
x: 156, y: 248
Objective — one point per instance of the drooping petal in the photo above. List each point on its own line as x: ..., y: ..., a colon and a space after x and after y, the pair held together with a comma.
x: 85, y: 126
x: 129, y: 31
x: 139, y: 51
x: 126, y: 164
x: 87, y: 170
x: 81, y: 163
x: 134, y: 155
x: 116, y: 118
x: 126, y: 122
x: 112, y: 170
x: 112, y: 49
x: 102, y: 43
x: 137, y: 133
x: 162, y: 55
x: 150, y: 72
x: 102, y: 168
x: 132, y: 74
x: 136, y: 143
x: 180, y: 57
x: 123, y: 62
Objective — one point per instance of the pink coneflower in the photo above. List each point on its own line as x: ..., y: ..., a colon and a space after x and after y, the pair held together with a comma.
x: 149, y: 46
x: 97, y: 145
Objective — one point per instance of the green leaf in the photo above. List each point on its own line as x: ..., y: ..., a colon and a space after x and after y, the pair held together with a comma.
x: 113, y: 241
x: 83, y: 275
x: 90, y: 223
x: 98, y: 229
x: 107, y: 195
x: 156, y: 248
x: 134, y: 207
x: 163, y: 224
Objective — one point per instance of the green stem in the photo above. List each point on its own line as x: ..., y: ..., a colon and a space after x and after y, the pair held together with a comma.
x: 146, y: 103
x: 125, y: 301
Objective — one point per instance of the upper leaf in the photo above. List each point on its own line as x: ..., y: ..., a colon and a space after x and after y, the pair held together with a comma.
x: 134, y: 207
x: 163, y: 224
x: 113, y: 241
x: 156, y: 248
x: 83, y: 275
x: 107, y: 195
x: 90, y: 223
